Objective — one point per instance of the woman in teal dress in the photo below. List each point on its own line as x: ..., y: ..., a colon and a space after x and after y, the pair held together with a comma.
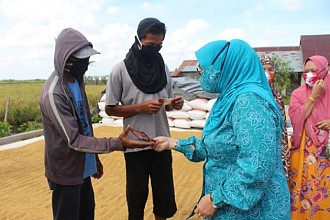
x: 243, y: 177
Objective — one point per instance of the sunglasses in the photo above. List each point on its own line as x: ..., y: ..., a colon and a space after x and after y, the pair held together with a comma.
x: 141, y: 135
x: 200, y: 70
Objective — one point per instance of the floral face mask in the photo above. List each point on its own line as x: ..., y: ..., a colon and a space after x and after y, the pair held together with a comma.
x: 311, y: 77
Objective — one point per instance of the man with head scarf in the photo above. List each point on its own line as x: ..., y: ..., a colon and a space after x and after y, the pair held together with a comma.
x: 269, y: 67
x: 71, y: 151
x: 240, y: 145
x: 136, y: 89
x: 309, y: 111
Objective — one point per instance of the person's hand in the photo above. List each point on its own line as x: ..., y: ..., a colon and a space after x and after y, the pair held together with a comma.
x: 151, y: 106
x: 99, y: 168
x: 205, y: 207
x: 318, y: 88
x: 324, y: 124
x: 164, y: 143
x: 130, y: 143
x: 177, y: 103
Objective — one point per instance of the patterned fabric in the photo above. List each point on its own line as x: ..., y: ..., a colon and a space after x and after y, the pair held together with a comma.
x: 243, y: 168
x: 266, y: 60
x: 309, y: 182
x: 321, y: 108
x: 284, y: 139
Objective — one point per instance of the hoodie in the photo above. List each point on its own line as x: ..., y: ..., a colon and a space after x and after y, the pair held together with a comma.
x: 65, y: 145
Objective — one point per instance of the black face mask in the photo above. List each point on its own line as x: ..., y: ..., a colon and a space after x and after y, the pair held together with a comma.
x: 150, y: 51
x: 78, y: 68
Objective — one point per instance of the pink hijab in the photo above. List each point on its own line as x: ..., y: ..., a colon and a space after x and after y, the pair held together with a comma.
x: 320, y: 111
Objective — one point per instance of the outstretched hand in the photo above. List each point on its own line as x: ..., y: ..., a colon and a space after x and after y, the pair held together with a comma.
x: 164, y: 143
x: 130, y: 143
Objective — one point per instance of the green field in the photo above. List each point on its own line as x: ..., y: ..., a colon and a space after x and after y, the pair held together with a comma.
x: 24, y: 100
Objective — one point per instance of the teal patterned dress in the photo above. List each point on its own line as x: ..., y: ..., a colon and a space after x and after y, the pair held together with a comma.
x: 243, y: 168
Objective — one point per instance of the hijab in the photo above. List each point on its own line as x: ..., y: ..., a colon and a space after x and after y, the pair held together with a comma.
x: 265, y: 59
x: 242, y: 72
x: 320, y: 111
x: 147, y: 73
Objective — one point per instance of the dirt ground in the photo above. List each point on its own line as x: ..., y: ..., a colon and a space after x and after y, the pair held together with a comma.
x: 25, y: 194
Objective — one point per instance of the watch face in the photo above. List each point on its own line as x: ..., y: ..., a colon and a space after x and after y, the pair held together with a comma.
x: 141, y: 135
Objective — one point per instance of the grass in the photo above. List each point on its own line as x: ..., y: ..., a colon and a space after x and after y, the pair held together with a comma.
x: 24, y: 100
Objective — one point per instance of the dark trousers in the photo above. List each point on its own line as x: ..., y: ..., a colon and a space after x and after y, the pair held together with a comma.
x: 158, y: 166
x: 74, y: 202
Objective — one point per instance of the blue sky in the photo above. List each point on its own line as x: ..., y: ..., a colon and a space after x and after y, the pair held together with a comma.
x: 28, y: 28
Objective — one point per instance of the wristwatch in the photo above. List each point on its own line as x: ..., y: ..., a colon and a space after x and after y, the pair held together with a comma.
x: 212, y: 201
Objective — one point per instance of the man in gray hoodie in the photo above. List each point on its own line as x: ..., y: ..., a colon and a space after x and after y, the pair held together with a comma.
x: 71, y: 151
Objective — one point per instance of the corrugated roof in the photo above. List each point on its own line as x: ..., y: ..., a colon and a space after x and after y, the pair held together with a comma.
x: 186, y: 66
x: 315, y: 44
x: 295, y: 55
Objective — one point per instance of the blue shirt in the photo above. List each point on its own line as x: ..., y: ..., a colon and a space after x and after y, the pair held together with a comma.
x: 90, y: 162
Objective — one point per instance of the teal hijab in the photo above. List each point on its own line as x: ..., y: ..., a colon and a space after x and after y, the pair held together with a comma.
x: 241, y: 72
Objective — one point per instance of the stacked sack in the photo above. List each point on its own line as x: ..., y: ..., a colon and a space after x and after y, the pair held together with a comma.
x: 193, y: 114
x: 106, y: 119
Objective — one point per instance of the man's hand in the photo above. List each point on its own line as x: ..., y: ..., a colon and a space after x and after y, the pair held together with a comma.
x: 177, y: 103
x: 99, y: 168
x: 151, y: 106
x: 130, y: 143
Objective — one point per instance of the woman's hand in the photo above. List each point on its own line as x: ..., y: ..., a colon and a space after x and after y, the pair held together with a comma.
x: 164, y: 143
x: 324, y: 124
x: 205, y: 207
x: 318, y: 88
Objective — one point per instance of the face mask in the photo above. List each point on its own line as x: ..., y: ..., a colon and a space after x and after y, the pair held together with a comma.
x: 78, y: 68
x: 150, y: 51
x: 311, y: 77
x: 209, y: 80
x: 270, y: 77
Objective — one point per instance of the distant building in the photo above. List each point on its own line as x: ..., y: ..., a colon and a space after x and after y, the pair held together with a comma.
x: 294, y: 55
x: 187, y: 68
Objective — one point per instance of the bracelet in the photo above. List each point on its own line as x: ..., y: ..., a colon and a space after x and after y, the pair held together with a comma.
x: 312, y: 99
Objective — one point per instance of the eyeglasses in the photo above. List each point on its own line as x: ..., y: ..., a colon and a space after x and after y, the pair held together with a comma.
x: 200, y: 70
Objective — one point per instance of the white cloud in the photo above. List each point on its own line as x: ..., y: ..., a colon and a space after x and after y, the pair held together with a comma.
x: 290, y: 5
x: 113, y: 10
x: 182, y: 43
x: 231, y: 33
x: 152, y: 7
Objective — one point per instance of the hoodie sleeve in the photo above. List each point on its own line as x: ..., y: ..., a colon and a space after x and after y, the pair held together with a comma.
x: 63, y: 124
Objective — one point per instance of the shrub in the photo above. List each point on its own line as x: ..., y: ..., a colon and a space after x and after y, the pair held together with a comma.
x: 5, y: 129
x: 30, y: 126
